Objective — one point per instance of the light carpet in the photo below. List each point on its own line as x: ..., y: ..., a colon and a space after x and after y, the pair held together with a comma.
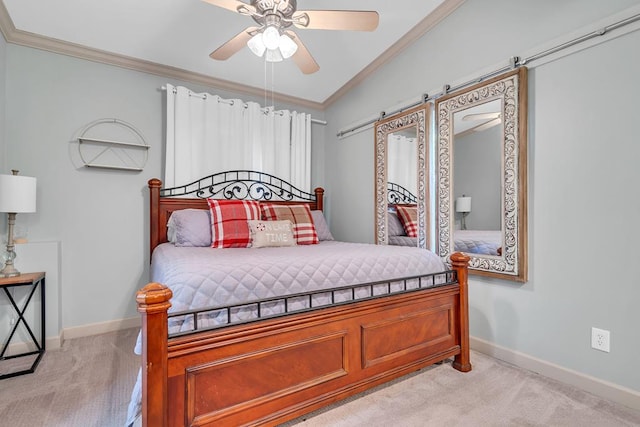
x: 492, y: 394
x: 89, y: 380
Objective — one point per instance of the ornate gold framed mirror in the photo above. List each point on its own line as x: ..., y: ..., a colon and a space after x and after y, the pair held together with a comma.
x: 482, y: 175
x: 401, y: 177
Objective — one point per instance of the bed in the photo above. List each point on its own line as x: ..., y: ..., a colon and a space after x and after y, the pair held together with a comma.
x: 272, y: 355
x: 486, y: 242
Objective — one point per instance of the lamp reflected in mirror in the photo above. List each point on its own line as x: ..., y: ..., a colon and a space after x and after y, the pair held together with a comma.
x: 463, y: 206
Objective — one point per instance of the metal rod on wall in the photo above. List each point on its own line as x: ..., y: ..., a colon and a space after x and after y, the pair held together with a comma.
x: 514, y: 62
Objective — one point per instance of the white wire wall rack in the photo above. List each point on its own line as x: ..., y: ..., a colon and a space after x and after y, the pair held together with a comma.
x: 112, y: 144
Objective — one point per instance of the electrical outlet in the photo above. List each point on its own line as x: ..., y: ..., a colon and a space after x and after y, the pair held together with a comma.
x: 600, y: 339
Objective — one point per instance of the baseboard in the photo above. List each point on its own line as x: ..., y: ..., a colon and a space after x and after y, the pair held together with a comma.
x: 100, y: 328
x: 55, y: 342
x: 616, y: 393
x: 51, y: 343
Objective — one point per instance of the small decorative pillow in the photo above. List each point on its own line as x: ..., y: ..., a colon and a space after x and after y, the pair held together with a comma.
x: 394, y: 225
x: 189, y: 227
x: 321, y: 226
x: 300, y: 215
x: 271, y: 233
x: 409, y: 218
x: 229, y: 228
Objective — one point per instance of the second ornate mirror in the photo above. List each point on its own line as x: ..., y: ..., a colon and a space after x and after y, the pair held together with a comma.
x: 401, y: 192
x: 482, y: 175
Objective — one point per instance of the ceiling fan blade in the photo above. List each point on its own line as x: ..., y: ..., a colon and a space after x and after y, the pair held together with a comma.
x: 234, y: 45
x: 481, y: 116
x: 302, y: 57
x: 232, y: 5
x: 354, y: 20
x: 487, y: 125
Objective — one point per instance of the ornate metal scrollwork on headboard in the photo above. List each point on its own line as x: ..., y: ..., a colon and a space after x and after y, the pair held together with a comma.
x: 397, y: 194
x: 240, y: 185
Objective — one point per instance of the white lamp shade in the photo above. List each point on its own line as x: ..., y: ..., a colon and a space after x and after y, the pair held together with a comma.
x: 463, y: 204
x: 287, y: 46
x: 273, y: 55
x: 17, y: 194
x: 271, y: 37
x: 256, y: 45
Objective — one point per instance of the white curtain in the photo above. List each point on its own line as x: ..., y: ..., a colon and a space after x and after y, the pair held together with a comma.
x: 207, y: 134
x: 402, y: 163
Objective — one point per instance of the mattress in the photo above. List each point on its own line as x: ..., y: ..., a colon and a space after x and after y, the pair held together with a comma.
x: 206, y: 277
x: 485, y: 242
x: 403, y: 241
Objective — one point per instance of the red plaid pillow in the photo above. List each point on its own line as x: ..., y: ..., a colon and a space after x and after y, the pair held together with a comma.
x: 300, y: 215
x: 229, y: 228
x: 409, y: 218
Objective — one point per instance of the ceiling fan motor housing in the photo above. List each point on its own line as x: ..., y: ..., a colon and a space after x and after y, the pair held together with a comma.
x: 284, y: 7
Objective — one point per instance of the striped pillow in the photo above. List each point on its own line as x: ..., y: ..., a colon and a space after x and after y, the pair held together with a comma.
x: 409, y: 218
x: 229, y: 228
x: 300, y: 215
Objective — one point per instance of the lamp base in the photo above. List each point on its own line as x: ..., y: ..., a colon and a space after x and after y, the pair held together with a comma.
x: 9, y: 271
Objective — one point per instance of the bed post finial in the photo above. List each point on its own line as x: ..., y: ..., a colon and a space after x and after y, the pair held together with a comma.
x: 154, y: 206
x: 153, y: 303
x: 460, y: 263
x: 319, y: 192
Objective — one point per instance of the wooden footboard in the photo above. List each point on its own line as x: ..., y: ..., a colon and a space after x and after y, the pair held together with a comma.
x: 267, y: 372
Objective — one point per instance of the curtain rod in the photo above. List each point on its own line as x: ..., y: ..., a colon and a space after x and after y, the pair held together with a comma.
x: 514, y: 62
x: 231, y: 102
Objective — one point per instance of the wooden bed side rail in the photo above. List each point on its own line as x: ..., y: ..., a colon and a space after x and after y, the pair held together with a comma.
x: 460, y: 263
x: 153, y: 303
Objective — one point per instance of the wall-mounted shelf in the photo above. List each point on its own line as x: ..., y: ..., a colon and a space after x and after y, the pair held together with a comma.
x: 128, y: 154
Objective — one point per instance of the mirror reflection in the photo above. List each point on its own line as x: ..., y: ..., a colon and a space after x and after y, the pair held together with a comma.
x: 401, y: 179
x: 402, y: 183
x: 477, y: 153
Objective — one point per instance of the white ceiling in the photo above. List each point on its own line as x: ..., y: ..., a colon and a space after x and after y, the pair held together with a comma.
x: 182, y: 33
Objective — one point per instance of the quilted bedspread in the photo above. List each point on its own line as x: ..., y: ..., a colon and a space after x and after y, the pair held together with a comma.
x: 205, y: 277
x: 484, y: 242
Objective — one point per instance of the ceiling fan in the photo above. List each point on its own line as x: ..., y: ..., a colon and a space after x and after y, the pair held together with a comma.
x: 273, y: 38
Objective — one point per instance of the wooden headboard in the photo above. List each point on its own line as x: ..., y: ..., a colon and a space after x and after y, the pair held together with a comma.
x: 231, y: 185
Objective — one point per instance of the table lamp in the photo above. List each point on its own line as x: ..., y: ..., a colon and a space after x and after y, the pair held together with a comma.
x: 17, y: 195
x: 463, y: 205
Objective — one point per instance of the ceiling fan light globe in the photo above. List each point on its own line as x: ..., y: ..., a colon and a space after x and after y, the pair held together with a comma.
x: 287, y: 46
x: 273, y: 55
x: 256, y: 45
x: 271, y: 37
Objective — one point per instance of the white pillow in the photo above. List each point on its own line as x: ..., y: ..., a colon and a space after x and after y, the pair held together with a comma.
x: 321, y: 226
x: 189, y: 227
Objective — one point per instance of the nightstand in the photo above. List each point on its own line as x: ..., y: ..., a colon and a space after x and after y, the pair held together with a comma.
x: 31, y: 282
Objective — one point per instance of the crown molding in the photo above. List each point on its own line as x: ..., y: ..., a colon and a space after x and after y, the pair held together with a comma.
x: 430, y: 21
x: 24, y: 38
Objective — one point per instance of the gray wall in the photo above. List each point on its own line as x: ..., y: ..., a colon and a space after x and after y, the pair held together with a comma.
x: 477, y: 173
x: 583, y: 156
x: 100, y: 216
